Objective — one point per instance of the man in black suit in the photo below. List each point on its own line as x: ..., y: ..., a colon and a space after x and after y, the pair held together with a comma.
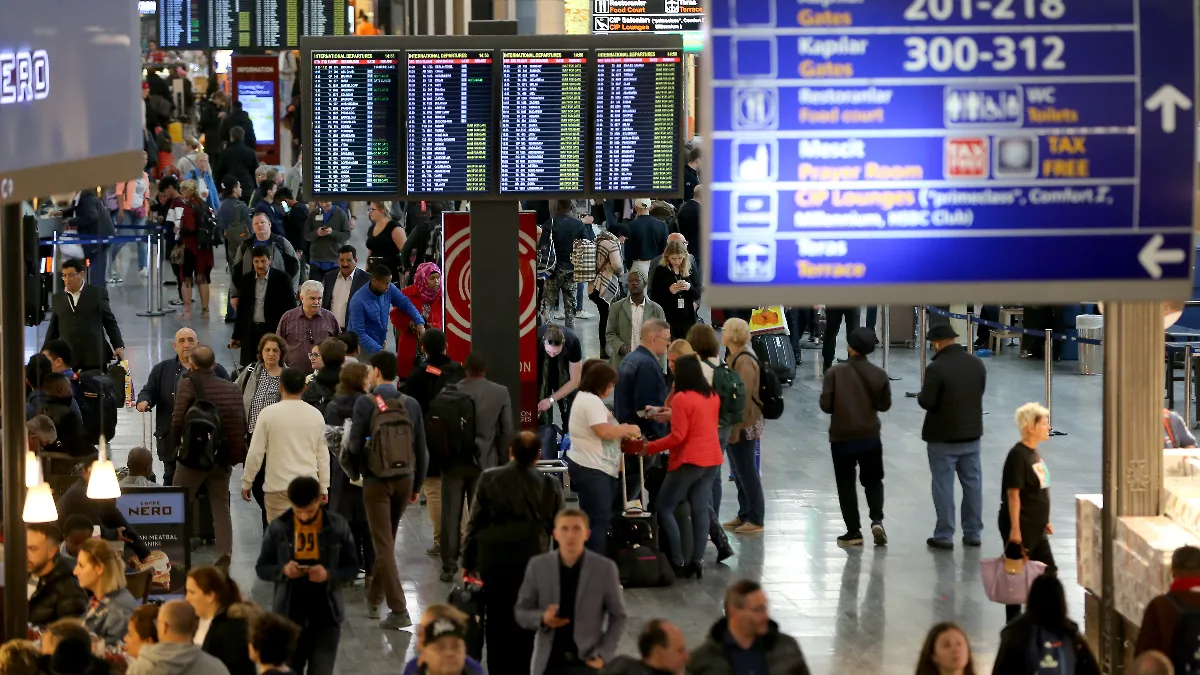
x: 263, y: 297
x: 341, y: 284
x: 239, y: 161
x: 81, y: 315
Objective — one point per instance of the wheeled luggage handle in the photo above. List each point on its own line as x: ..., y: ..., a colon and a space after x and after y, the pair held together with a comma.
x: 641, y: 508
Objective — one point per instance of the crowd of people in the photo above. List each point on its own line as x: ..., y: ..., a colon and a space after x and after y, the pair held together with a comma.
x: 344, y: 409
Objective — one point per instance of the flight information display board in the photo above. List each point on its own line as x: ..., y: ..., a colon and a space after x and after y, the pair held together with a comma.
x: 354, y: 130
x: 450, y: 122
x: 542, y: 121
x: 180, y: 23
x: 249, y: 24
x: 638, y: 121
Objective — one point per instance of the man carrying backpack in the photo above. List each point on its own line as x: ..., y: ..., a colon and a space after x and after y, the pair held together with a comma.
x: 853, y: 395
x: 424, y: 385
x: 208, y: 426
x: 1171, y: 624
x: 387, y: 450
x: 481, y: 445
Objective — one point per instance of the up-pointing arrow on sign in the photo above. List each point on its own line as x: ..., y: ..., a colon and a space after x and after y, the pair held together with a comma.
x: 1153, y: 256
x: 1168, y: 98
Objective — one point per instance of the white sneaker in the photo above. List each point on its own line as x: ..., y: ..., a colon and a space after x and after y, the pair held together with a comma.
x: 583, y: 315
x: 145, y: 273
x: 558, y: 314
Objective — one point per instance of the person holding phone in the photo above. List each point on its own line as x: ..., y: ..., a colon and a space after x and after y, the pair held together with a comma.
x: 309, y: 553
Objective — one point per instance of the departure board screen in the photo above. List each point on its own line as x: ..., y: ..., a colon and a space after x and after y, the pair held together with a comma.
x: 179, y: 24
x: 277, y: 23
x: 638, y: 135
x: 355, y: 125
x: 230, y: 24
x: 264, y: 24
x: 326, y: 17
x: 450, y: 126
x: 542, y: 121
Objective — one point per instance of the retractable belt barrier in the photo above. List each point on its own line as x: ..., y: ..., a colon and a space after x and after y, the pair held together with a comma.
x: 153, y: 240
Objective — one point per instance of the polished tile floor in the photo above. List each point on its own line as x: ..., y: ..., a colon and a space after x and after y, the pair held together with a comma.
x: 864, y: 610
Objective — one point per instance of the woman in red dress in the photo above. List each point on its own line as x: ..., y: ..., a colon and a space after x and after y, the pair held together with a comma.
x: 197, y: 262
x: 426, y: 295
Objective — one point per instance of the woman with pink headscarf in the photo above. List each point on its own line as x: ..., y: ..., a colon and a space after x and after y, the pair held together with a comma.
x: 426, y: 295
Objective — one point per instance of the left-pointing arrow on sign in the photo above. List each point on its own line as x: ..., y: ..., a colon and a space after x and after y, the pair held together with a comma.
x: 1168, y: 98
x: 1154, y: 256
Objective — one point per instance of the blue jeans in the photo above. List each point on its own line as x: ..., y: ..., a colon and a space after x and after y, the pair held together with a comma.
x: 97, y: 255
x: 717, y: 488
x: 751, y: 502
x: 142, y: 251
x: 946, y: 459
x: 693, y: 483
x: 597, y: 491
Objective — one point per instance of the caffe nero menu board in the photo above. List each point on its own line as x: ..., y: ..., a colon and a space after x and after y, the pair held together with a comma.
x: 450, y: 123
x: 542, y: 121
x: 249, y: 24
x: 355, y: 126
x: 638, y: 131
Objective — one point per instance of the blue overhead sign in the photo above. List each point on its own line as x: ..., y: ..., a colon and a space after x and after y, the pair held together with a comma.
x: 943, y: 150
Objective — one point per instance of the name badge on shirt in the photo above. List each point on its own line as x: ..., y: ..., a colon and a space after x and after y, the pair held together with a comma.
x: 680, y: 303
x: 321, y: 217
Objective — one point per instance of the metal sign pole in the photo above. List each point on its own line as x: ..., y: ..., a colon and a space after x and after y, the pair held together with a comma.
x: 887, y: 340
x: 1187, y: 386
x: 1049, y: 348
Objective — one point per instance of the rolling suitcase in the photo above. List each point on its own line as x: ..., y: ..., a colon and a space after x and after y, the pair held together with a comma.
x: 633, y: 545
x: 902, y: 325
x: 776, y: 352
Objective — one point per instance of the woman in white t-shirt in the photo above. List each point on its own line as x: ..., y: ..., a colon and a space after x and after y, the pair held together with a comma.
x: 594, y: 460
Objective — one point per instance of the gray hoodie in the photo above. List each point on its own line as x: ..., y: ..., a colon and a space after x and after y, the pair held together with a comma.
x: 173, y: 658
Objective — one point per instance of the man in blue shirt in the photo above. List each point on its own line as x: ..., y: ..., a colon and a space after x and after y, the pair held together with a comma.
x: 371, y: 306
x: 642, y: 388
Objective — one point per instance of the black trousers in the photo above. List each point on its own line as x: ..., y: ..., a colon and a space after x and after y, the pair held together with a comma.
x: 458, y: 488
x: 363, y: 545
x: 602, y: 308
x: 833, y: 322
x: 250, y: 340
x: 316, y: 650
x: 869, y: 465
x: 799, y: 319
x: 509, y: 647
x: 1037, y: 547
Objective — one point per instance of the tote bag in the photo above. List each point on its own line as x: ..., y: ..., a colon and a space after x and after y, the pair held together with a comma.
x: 1007, y: 581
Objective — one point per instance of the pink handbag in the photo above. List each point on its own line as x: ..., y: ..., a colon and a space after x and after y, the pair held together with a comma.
x: 1007, y: 581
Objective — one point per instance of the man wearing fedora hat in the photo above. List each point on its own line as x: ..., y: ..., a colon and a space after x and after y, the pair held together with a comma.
x: 952, y: 397
x: 853, y: 394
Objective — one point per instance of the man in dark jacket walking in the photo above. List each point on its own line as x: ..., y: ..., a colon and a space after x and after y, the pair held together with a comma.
x: 1161, y: 620
x: 226, y: 396
x: 239, y: 161
x: 159, y: 393
x: 746, y: 640
x: 952, y: 397
x: 57, y: 594
x: 663, y: 649
x: 91, y: 219
x: 647, y: 238
x: 264, y: 296
x: 308, y: 553
x: 854, y: 393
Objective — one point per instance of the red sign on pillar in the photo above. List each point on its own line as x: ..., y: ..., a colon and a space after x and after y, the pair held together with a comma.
x: 456, y: 282
x: 527, y: 262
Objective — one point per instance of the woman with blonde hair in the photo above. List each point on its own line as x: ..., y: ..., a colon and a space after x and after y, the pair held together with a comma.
x: 675, y: 287
x: 744, y: 436
x: 1025, y: 494
x: 102, y: 573
x: 19, y: 657
x: 195, y: 260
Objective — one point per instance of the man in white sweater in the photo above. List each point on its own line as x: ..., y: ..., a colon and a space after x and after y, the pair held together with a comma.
x: 290, y: 438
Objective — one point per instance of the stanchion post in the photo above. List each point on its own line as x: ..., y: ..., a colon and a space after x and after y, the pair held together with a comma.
x: 970, y: 332
x: 924, y: 352
x: 154, y: 277
x: 1187, y: 385
x: 1049, y: 349
x: 887, y: 340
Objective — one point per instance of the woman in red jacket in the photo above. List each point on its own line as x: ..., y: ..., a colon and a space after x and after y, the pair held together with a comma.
x: 426, y: 295
x: 694, y: 462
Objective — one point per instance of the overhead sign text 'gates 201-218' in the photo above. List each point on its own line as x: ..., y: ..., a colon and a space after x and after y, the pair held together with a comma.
x: 977, y: 145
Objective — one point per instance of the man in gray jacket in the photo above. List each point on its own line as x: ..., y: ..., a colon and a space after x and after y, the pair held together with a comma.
x: 854, y: 394
x: 572, y: 599
x: 174, y: 653
x: 747, y: 640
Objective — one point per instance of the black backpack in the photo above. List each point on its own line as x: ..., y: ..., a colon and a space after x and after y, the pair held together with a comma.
x: 770, y: 390
x: 450, y: 425
x: 98, y: 404
x: 202, y: 444
x: 207, y: 235
x: 1185, y: 643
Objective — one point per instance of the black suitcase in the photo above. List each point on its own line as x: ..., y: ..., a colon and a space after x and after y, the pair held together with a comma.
x: 776, y: 351
x: 633, y: 545
x: 467, y: 598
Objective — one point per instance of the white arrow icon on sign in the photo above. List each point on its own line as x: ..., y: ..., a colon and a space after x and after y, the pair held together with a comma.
x: 1153, y: 256
x: 1168, y: 98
